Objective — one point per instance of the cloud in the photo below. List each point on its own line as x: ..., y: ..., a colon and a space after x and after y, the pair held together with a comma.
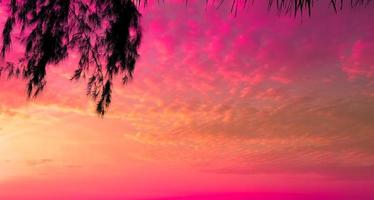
x: 360, y: 62
x: 329, y: 171
x: 326, y: 137
x: 252, y: 94
x: 39, y: 162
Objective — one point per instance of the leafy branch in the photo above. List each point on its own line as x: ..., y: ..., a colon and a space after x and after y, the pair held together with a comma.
x: 106, y: 34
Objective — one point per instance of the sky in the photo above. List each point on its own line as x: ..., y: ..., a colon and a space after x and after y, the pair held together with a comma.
x: 221, y: 107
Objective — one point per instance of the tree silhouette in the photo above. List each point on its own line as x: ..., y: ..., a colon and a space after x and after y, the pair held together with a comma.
x: 101, y: 31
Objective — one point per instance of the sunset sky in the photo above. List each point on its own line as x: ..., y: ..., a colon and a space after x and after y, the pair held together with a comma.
x: 221, y: 107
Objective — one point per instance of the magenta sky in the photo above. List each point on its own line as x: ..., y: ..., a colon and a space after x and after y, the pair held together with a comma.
x: 224, y: 108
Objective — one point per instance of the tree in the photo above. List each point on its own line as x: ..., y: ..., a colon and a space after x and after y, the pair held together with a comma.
x: 102, y: 31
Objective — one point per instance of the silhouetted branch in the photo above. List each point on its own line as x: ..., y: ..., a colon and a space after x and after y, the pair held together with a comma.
x: 283, y: 6
x: 99, y: 30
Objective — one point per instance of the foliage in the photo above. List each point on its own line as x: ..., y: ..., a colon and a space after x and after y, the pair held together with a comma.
x: 101, y: 31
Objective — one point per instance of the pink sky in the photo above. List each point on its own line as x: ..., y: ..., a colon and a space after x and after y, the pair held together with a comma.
x: 255, y: 106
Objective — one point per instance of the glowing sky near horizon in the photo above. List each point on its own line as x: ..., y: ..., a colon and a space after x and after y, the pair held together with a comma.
x: 255, y: 106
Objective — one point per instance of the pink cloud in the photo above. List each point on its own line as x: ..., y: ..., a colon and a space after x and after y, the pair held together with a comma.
x: 360, y: 62
x: 218, y: 103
